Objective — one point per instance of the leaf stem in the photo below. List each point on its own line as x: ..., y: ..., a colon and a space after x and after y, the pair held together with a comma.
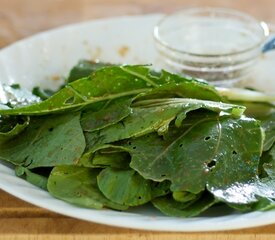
x: 140, y: 76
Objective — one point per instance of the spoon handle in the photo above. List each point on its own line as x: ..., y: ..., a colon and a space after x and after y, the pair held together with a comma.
x: 269, y: 45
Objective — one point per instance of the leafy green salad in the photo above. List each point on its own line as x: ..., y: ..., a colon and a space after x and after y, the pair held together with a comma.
x: 121, y: 136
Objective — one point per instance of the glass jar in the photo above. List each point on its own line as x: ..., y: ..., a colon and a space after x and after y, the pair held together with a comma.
x: 218, y: 45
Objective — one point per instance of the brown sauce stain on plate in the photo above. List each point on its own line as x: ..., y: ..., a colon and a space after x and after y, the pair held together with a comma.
x: 56, y: 77
x: 123, y: 51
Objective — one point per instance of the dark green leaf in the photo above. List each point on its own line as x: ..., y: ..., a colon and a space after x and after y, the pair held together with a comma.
x: 210, y: 149
x: 173, y: 85
x: 107, y: 84
x: 268, y: 124
x: 42, y: 94
x: 184, y: 196
x: 264, y: 204
x: 103, y: 85
x: 125, y: 187
x: 170, y: 207
x: 77, y: 185
x: 111, y: 114
x: 155, y: 115
x: 182, y: 88
x: 160, y: 189
x: 84, y: 68
x: 247, y: 192
x: 269, y: 162
x: 104, y: 156
x: 51, y: 141
x: 12, y: 126
x: 118, y: 160
x: 32, y: 177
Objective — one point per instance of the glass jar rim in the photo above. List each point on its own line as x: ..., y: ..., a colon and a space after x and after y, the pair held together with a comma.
x: 261, y: 24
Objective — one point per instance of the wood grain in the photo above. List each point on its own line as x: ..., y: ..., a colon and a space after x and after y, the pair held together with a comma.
x: 19, y: 19
x: 21, y: 220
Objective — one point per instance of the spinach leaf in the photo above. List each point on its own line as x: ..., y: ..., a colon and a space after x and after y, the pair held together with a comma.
x: 125, y: 187
x: 51, y: 141
x: 42, y: 94
x: 118, y: 160
x: 170, y: 207
x: 159, y: 189
x: 107, y: 84
x: 181, y: 88
x: 77, y: 185
x: 269, y: 162
x: 12, y: 126
x: 220, y: 160
x: 268, y: 124
x: 103, y: 85
x: 247, y: 192
x: 184, y: 196
x: 104, y: 156
x: 263, y: 204
x: 84, y: 68
x: 155, y: 115
x: 111, y: 114
x: 36, y: 179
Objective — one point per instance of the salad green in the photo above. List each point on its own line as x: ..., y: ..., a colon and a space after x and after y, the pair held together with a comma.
x: 122, y: 136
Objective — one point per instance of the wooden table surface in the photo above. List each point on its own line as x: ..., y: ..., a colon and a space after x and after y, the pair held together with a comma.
x: 19, y: 19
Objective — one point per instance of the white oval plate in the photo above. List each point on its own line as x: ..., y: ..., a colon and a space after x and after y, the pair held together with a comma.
x: 44, y: 58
